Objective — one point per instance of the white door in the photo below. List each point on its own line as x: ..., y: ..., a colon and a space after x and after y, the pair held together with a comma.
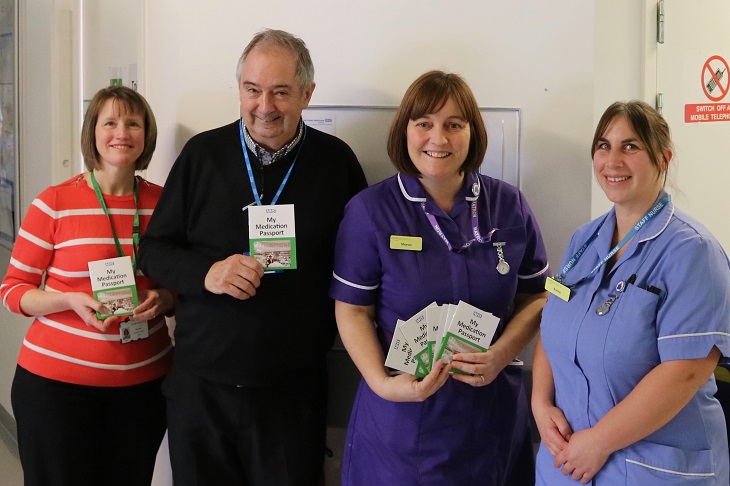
x: 692, y: 78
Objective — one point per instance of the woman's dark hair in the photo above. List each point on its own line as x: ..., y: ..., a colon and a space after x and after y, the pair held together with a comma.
x: 426, y: 95
x: 648, y: 124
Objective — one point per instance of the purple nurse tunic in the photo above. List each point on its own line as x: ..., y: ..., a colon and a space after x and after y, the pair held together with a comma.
x: 461, y: 435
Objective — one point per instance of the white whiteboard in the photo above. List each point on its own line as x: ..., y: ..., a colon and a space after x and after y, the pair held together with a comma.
x: 365, y: 129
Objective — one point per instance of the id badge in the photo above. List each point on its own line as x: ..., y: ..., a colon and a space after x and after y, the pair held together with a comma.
x: 558, y: 289
x: 412, y: 243
x: 133, y: 330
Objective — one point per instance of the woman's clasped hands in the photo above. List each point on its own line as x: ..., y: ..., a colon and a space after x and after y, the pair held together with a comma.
x: 152, y: 303
x: 578, y: 454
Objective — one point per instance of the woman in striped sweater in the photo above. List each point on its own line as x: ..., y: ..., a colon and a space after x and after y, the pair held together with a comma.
x: 87, y: 402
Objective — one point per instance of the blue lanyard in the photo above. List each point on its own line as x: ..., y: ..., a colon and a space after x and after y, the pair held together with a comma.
x: 656, y: 209
x: 250, y: 171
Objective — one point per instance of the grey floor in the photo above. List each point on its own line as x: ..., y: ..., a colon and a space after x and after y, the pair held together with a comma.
x: 11, y: 473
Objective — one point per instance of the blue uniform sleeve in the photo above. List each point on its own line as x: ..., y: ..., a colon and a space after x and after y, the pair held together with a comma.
x: 357, y: 266
x: 694, y: 310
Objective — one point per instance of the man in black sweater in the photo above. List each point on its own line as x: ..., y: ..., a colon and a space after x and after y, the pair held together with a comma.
x: 247, y: 393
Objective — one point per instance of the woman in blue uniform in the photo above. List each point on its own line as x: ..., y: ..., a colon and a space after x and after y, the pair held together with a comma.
x: 473, y: 239
x: 623, y: 388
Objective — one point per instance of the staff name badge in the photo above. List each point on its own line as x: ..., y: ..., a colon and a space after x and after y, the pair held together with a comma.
x: 412, y: 243
x: 272, y: 236
x: 557, y: 289
x: 113, y: 284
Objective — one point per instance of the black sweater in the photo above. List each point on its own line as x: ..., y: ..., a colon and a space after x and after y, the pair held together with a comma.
x: 288, y: 326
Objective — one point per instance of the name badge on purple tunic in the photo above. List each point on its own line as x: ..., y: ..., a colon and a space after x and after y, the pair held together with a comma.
x: 412, y: 243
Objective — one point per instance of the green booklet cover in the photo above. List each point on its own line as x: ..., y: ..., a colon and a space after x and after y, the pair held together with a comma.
x: 470, y: 331
x: 113, y: 284
x: 272, y: 237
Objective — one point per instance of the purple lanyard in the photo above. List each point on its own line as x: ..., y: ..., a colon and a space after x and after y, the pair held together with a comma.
x: 478, y: 238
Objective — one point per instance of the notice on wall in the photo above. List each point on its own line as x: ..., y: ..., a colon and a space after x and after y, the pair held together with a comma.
x: 324, y: 121
x: 706, y: 83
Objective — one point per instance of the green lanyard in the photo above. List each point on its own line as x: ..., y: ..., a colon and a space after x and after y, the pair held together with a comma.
x: 135, y: 227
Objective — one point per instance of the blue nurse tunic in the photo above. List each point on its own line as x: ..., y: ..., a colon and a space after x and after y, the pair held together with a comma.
x: 461, y: 435
x: 678, y: 307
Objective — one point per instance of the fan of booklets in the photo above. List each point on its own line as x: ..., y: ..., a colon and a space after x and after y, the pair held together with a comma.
x: 440, y: 331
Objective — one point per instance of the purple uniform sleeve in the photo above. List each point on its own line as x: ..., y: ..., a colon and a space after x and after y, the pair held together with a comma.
x: 357, y: 266
x: 534, y: 268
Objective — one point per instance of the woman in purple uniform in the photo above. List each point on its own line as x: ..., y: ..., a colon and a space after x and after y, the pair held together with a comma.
x: 475, y: 239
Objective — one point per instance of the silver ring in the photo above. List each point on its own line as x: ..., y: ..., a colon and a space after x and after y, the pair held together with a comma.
x: 482, y: 377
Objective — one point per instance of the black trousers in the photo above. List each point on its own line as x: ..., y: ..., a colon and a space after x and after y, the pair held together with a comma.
x: 222, y: 434
x: 74, y: 435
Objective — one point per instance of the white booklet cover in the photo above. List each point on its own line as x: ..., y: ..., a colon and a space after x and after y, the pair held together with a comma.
x: 113, y: 284
x: 434, y: 316
x: 400, y: 355
x: 415, y: 330
x: 470, y: 331
x: 272, y: 236
x: 446, y: 317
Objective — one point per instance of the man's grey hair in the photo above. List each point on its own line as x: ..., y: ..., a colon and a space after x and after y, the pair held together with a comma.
x: 280, y: 38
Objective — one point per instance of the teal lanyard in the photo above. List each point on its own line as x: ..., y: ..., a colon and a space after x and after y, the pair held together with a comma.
x: 656, y: 209
x: 135, y: 227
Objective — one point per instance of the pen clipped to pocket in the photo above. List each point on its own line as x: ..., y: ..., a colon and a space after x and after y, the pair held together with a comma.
x: 652, y: 289
x: 648, y: 288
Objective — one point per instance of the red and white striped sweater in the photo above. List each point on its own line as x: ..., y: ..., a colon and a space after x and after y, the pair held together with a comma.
x: 64, y: 229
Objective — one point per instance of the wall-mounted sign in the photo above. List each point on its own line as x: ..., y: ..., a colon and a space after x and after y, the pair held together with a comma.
x: 710, y: 85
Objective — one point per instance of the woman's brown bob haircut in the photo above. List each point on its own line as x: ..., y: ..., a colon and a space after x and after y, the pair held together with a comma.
x: 428, y: 94
x: 649, y: 126
x: 127, y: 100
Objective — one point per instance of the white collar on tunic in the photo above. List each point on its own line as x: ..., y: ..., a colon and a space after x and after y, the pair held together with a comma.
x: 661, y: 221
x: 473, y: 178
x: 654, y: 227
